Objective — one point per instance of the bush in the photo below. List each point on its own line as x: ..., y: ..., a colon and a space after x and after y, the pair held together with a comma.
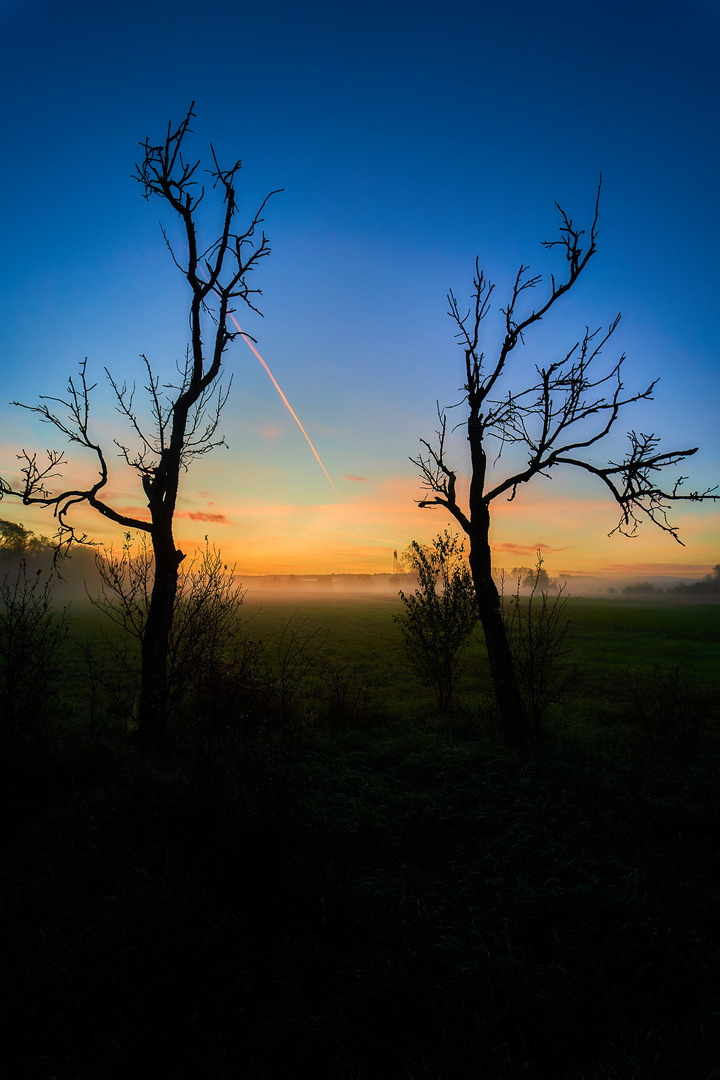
x: 206, y: 625
x: 32, y: 633
x: 537, y: 629
x: 442, y: 614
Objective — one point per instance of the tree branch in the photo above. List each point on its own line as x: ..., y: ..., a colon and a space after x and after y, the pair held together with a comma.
x: 566, y: 412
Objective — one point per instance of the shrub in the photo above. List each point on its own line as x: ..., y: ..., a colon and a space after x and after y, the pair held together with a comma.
x: 537, y: 629
x: 206, y: 623
x: 441, y: 615
x: 32, y: 633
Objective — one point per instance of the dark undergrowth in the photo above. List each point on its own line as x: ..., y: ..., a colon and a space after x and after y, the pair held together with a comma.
x: 414, y: 902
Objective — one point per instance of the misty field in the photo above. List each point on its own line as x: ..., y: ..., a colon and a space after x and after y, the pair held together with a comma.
x: 608, y: 640
x: 360, y: 887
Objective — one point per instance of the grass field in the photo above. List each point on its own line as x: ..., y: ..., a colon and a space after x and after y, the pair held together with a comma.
x: 606, y: 638
x: 390, y: 894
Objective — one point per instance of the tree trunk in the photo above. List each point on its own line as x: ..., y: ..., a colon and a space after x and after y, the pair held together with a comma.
x: 510, y: 704
x: 509, y: 701
x: 152, y: 716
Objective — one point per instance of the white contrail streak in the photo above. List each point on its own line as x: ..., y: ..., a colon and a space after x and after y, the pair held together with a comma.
x: 295, y: 417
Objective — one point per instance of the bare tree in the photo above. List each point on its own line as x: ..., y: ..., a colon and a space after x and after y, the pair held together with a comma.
x: 571, y: 405
x: 184, y: 418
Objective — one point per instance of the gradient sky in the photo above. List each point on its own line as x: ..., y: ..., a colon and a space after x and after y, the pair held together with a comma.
x: 408, y: 138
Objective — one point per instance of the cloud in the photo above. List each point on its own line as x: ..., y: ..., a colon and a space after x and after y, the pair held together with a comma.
x: 676, y: 569
x: 363, y: 478
x: 526, y: 549
x: 200, y: 515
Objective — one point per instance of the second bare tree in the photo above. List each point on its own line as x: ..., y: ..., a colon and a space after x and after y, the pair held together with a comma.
x: 570, y: 407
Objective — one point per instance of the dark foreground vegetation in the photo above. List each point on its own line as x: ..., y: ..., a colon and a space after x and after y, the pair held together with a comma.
x: 323, y: 877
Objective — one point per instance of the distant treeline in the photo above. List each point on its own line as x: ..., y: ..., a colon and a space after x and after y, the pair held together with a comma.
x: 18, y: 544
x: 709, y: 587
x: 330, y: 582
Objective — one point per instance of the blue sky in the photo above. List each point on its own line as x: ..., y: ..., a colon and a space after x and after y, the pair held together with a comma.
x: 408, y: 138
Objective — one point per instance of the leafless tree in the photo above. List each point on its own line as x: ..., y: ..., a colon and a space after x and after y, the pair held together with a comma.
x: 184, y: 417
x: 571, y: 405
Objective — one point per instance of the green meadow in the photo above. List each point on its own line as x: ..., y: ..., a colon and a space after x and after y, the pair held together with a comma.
x: 608, y: 641
x: 358, y: 887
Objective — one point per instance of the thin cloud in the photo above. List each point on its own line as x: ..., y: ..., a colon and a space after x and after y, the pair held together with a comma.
x: 525, y: 549
x: 364, y: 479
x: 140, y: 512
x: 678, y: 569
x: 200, y: 515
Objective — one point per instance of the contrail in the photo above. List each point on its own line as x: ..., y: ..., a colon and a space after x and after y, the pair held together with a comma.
x: 287, y: 404
x: 295, y: 417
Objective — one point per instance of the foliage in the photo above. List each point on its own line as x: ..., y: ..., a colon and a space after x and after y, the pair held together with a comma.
x: 206, y: 623
x: 440, y: 616
x: 537, y: 630
x: 15, y: 539
x: 709, y: 585
x: 639, y: 588
x: 32, y: 632
x: 238, y: 715
x: 529, y: 578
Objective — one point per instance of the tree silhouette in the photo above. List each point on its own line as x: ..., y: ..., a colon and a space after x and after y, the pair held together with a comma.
x: 184, y: 418
x: 559, y: 419
x: 17, y: 541
x: 709, y: 584
x: 527, y: 578
x: 439, y: 617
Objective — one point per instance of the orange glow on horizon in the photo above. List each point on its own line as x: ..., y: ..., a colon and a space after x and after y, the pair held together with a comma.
x: 282, y: 538
x: 295, y: 417
x: 269, y: 534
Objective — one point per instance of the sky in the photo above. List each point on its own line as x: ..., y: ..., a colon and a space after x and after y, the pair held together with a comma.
x: 407, y: 139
